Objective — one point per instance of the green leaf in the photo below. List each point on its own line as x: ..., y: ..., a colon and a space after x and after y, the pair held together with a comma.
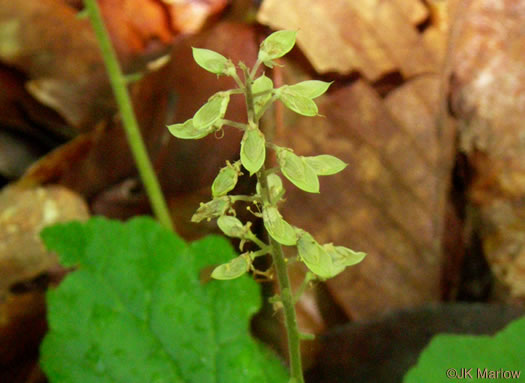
x: 253, y: 150
x: 325, y: 165
x: 213, y: 111
x: 491, y: 358
x: 135, y: 310
x: 296, y: 102
x: 187, y: 131
x: 310, y: 89
x: 231, y: 226
x: 212, y: 61
x: 276, y: 45
x: 211, y: 209
x: 314, y: 256
x: 225, y: 180
x: 298, y: 171
x: 262, y: 84
x: 233, y: 269
x: 277, y: 227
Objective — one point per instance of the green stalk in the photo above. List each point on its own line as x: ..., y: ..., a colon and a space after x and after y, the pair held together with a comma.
x: 138, y: 149
x: 287, y: 298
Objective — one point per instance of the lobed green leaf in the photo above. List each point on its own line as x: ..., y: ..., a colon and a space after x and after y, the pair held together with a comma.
x: 136, y: 311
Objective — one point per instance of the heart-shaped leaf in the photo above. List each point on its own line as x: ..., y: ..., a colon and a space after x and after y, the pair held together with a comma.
x: 136, y: 311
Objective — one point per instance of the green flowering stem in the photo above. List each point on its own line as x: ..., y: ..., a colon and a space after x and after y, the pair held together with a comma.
x: 118, y: 83
x: 287, y: 299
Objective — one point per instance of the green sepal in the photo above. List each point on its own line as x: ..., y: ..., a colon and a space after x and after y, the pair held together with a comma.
x: 278, y: 228
x: 232, y: 226
x: 253, y: 150
x: 214, y: 208
x: 212, y: 61
x: 188, y: 131
x: 325, y: 164
x: 233, y: 269
x: 211, y: 113
x: 226, y: 180
x: 276, y: 45
x: 296, y: 102
x: 262, y: 84
x: 310, y: 88
x: 297, y: 170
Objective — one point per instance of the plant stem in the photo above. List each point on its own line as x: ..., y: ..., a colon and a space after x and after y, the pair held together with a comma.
x: 287, y: 299
x: 129, y: 121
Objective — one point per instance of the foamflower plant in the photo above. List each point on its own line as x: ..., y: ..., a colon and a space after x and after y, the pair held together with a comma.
x: 323, y: 260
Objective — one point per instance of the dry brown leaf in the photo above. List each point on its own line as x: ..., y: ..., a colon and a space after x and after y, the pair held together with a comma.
x: 23, y: 214
x: 488, y: 96
x: 369, y: 36
x: 58, y: 52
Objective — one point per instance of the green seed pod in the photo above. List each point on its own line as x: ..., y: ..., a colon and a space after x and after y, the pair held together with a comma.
x: 214, y: 208
x: 314, y: 256
x: 275, y: 185
x: 233, y: 269
x: 225, y: 180
x: 278, y: 228
x: 276, y: 45
x: 298, y: 171
x: 262, y: 84
x: 231, y: 226
x: 212, y: 61
x: 325, y: 165
x: 253, y: 150
x: 344, y: 256
x: 213, y: 111
x: 296, y: 102
x: 310, y: 89
x: 187, y: 131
